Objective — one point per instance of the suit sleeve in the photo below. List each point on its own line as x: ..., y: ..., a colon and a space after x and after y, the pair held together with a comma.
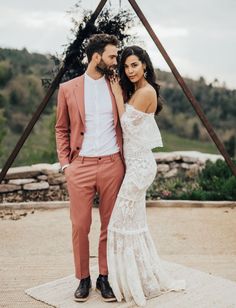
x: 62, y: 129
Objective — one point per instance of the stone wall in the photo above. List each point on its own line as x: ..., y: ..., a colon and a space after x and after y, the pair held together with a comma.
x: 45, y: 182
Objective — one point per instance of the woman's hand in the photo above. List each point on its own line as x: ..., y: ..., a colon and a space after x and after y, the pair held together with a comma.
x: 115, y: 86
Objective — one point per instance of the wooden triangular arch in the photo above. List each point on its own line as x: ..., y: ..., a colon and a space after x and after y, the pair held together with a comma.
x: 174, y: 70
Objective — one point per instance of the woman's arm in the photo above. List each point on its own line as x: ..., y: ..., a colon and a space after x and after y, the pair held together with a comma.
x: 117, y: 92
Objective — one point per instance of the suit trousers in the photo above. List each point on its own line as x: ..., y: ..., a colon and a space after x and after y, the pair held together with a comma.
x: 85, y: 176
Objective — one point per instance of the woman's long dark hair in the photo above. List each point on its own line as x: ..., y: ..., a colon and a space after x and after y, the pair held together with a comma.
x: 126, y: 84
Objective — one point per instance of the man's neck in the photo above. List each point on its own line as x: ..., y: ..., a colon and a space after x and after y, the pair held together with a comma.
x: 93, y: 73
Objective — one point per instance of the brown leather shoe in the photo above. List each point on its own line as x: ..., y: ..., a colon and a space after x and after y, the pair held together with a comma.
x: 103, y: 287
x: 82, y: 292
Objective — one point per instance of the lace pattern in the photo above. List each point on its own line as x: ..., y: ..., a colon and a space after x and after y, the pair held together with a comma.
x: 140, y: 129
x: 135, y: 269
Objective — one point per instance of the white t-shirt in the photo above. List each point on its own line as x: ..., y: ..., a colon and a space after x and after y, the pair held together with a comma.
x: 100, y: 134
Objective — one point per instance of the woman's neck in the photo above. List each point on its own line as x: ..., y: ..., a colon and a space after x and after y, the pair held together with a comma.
x: 140, y: 84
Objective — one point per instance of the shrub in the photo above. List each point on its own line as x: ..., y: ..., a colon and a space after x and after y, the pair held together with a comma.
x: 215, y: 181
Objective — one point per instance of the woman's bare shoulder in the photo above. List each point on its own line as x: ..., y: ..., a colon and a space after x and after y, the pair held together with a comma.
x: 144, y: 98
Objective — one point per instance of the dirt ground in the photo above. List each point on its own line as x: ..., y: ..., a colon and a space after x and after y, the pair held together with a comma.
x: 35, y: 245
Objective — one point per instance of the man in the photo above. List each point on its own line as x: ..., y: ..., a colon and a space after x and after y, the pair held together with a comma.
x: 89, y: 147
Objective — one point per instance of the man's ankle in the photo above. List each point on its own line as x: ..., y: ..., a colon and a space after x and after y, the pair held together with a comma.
x: 86, y: 278
x: 100, y: 276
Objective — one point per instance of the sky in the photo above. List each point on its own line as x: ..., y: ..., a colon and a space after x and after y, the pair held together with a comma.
x: 199, y: 36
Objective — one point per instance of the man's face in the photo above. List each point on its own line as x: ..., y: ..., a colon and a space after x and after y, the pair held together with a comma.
x: 108, y: 60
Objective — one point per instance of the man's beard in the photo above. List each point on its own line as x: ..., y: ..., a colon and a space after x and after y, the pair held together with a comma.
x: 105, y: 70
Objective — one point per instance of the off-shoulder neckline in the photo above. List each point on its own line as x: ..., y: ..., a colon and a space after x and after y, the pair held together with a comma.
x: 148, y: 114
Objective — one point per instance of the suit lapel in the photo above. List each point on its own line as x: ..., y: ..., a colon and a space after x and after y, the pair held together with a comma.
x: 79, y: 96
x: 114, y: 107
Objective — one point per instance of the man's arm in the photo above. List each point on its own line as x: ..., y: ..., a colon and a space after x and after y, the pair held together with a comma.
x: 62, y: 129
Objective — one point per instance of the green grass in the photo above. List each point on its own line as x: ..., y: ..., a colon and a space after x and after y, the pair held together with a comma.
x: 175, y: 143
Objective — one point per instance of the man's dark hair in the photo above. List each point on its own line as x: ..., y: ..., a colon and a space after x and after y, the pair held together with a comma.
x: 98, y: 42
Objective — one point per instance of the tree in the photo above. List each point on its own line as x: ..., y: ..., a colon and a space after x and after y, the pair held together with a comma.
x: 2, y: 129
x: 195, y: 131
x: 5, y: 73
x: 230, y: 146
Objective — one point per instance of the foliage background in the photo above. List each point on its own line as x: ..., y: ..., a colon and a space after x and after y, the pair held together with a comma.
x: 21, y: 90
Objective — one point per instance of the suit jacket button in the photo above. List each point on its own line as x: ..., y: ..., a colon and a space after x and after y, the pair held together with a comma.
x: 82, y: 133
x: 77, y: 148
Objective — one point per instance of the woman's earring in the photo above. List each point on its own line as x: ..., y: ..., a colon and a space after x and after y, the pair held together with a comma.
x: 145, y: 74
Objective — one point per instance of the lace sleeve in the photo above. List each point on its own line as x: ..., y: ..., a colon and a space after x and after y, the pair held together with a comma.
x: 141, y: 127
x: 131, y: 119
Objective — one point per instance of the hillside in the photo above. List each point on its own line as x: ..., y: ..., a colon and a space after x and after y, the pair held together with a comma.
x: 21, y: 91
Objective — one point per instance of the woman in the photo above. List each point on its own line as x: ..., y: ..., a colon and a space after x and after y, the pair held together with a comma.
x: 135, y: 270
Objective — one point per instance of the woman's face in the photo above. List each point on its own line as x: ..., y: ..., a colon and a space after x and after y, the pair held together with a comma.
x: 134, y: 68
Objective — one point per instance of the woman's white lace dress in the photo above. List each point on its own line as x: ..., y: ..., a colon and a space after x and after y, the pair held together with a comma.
x: 135, y: 270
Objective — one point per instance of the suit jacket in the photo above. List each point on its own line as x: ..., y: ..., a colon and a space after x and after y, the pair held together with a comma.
x: 70, y: 122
